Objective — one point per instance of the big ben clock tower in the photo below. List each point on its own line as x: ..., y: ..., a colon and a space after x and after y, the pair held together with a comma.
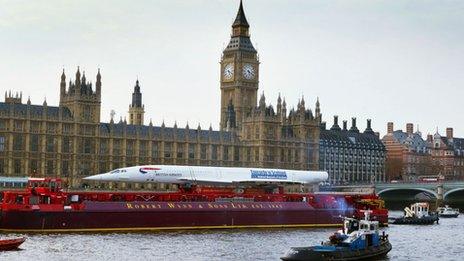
x: 239, y: 73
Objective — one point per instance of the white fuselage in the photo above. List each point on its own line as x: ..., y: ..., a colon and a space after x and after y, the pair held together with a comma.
x: 200, y: 174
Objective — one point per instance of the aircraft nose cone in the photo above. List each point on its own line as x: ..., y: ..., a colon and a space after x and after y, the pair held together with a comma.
x: 94, y: 177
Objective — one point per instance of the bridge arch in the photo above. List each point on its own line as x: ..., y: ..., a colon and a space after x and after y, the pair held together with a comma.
x: 435, y: 194
x: 447, y: 193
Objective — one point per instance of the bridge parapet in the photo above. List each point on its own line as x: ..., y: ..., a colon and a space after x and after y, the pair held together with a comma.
x: 440, y: 190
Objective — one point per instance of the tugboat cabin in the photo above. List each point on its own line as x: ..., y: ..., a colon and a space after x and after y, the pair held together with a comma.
x: 361, y: 233
x: 418, y: 210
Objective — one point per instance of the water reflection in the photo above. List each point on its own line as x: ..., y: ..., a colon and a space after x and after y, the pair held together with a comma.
x: 435, y: 242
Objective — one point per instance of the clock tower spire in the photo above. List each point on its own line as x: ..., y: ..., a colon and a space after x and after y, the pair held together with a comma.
x: 239, y: 72
x: 240, y: 25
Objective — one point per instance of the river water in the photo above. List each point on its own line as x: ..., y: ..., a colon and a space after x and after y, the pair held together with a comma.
x: 436, y: 242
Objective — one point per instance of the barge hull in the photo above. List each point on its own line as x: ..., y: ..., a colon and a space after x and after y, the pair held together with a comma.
x: 117, y: 217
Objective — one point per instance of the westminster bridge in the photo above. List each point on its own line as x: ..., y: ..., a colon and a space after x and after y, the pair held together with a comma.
x: 448, y: 192
x: 436, y: 190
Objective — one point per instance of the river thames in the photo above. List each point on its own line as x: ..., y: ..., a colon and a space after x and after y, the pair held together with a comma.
x: 435, y: 242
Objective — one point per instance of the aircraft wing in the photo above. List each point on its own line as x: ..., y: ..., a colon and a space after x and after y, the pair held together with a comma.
x: 204, y: 181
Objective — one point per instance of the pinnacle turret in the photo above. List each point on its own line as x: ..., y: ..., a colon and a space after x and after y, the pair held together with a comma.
x: 63, y: 76
x: 78, y: 76
x: 98, y: 83
x: 136, y: 108
x: 262, y: 101
x: 318, y: 109
x: 84, y: 80
x: 63, y: 83
x: 137, y: 96
x: 279, y: 105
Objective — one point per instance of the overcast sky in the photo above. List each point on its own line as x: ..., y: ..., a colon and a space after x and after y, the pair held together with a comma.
x: 400, y: 61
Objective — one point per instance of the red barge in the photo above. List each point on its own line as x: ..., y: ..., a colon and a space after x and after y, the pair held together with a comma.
x: 44, y: 207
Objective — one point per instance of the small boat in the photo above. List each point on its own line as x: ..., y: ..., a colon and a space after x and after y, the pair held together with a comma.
x: 11, y: 244
x: 359, y: 239
x: 448, y: 212
x: 417, y: 214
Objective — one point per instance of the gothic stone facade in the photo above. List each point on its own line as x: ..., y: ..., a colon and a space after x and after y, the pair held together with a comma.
x: 69, y: 140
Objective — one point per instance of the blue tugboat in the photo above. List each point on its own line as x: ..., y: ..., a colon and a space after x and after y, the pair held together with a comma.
x: 359, y: 239
x: 417, y: 214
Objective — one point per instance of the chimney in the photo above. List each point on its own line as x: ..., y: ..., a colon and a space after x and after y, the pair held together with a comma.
x: 369, y: 127
x: 353, y: 125
x: 409, y: 128
x: 335, y: 125
x: 377, y: 134
x: 323, y: 125
x: 390, y: 127
x: 429, y: 138
x: 449, y: 133
x: 345, y: 125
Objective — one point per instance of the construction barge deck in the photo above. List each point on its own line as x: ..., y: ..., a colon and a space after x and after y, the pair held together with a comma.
x: 45, y: 207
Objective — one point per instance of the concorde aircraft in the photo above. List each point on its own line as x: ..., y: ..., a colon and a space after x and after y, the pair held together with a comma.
x: 199, y: 174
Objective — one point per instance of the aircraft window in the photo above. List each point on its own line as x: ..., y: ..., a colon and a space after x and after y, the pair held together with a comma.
x: 114, y: 171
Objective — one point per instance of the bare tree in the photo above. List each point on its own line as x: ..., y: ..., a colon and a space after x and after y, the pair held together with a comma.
x: 394, y: 168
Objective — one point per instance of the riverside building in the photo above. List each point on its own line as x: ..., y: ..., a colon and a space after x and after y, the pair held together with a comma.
x: 411, y: 158
x: 351, y: 156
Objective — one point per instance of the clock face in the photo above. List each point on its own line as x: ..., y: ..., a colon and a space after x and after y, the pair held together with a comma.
x: 248, y: 71
x: 228, y: 71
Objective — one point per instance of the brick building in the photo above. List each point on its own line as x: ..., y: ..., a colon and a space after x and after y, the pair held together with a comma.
x: 410, y: 157
x: 408, y: 153
x: 447, y: 154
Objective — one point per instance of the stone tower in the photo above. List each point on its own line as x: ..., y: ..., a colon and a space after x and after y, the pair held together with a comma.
x: 80, y: 98
x: 13, y: 98
x: 136, y: 108
x: 239, y: 73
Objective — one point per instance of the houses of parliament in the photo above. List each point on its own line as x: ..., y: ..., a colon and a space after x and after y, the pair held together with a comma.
x: 71, y: 142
